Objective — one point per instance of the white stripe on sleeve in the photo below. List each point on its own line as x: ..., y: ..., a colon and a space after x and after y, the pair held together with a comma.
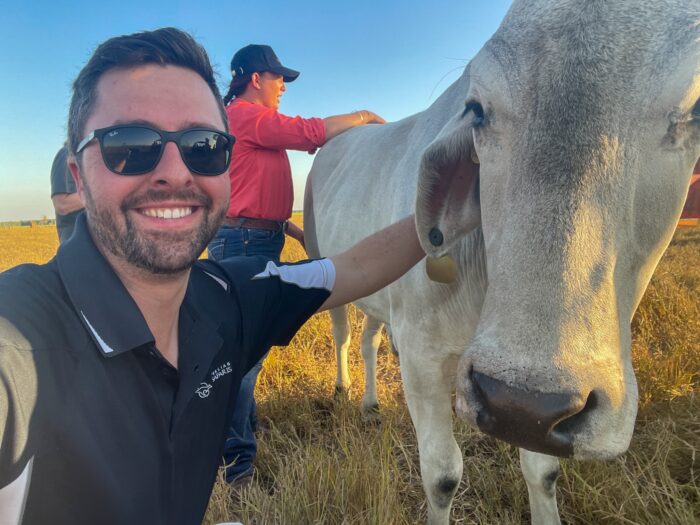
x: 318, y: 273
x: 13, y: 497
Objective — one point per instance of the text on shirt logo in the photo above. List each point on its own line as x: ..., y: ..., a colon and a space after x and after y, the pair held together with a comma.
x: 204, y: 389
x: 221, y: 371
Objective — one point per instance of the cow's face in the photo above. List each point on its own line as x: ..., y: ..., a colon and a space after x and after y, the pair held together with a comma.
x: 575, y: 148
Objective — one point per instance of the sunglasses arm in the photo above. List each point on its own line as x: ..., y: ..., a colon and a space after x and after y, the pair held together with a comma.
x: 85, y: 142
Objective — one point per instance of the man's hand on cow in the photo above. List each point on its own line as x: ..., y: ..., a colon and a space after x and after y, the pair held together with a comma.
x: 375, y: 262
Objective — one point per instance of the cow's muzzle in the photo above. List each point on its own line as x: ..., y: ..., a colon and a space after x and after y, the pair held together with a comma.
x: 537, y: 421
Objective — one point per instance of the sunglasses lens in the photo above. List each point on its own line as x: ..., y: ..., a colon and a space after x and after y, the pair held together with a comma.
x: 131, y: 150
x: 205, y: 152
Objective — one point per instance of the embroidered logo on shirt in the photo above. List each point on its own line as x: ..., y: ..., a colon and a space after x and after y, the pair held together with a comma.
x: 203, y: 390
x: 221, y: 371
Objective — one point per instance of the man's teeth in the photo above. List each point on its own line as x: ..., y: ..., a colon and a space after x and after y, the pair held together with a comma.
x: 167, y: 213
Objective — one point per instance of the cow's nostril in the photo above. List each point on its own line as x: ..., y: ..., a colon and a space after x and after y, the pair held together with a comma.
x: 539, y: 421
x: 572, y: 424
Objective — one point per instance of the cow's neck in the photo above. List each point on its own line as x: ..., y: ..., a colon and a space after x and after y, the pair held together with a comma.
x: 464, y: 302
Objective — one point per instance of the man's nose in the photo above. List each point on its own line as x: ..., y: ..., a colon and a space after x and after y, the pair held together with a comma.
x: 171, y: 169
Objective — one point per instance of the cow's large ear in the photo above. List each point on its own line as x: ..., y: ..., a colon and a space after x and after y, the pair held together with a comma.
x: 447, y: 203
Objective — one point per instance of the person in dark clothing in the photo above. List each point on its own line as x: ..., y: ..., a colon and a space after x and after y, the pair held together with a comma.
x: 65, y: 199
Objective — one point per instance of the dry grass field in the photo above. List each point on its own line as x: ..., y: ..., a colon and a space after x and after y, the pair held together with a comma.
x: 319, y: 463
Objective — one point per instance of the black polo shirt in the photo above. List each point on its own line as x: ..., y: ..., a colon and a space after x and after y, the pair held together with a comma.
x: 95, y: 425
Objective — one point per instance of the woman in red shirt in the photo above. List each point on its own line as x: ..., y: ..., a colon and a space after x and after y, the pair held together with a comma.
x: 262, y: 196
x: 691, y: 210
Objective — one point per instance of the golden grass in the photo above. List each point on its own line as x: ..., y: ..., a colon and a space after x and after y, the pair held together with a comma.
x: 18, y: 245
x: 318, y: 463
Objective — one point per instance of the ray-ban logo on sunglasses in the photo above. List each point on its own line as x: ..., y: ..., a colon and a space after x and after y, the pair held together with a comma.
x: 113, y: 133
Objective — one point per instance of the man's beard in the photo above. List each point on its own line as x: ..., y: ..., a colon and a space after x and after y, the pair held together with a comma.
x: 158, y: 252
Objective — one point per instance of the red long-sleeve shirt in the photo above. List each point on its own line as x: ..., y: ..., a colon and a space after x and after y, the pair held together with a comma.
x: 261, y: 177
x: 691, y: 210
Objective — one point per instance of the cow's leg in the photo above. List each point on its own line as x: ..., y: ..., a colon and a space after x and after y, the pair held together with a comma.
x: 428, y: 395
x: 371, y: 339
x: 541, y: 473
x: 341, y: 335
x: 394, y: 350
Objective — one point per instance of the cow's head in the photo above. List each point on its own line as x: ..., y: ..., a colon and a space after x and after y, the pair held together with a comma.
x: 573, y: 151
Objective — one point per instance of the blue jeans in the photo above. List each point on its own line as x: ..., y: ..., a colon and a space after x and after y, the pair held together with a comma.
x: 232, y: 242
x: 240, y: 447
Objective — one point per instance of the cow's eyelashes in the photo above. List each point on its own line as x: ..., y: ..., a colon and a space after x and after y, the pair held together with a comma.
x: 478, y: 111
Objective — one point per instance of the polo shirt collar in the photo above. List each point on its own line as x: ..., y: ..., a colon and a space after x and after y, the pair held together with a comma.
x: 104, y: 306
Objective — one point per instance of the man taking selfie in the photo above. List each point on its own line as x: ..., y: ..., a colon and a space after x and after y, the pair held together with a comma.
x: 120, y: 357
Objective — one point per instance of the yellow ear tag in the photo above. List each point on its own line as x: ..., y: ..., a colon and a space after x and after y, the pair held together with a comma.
x: 441, y: 269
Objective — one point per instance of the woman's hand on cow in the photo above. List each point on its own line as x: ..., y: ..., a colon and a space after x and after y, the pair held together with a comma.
x: 337, y: 124
x: 369, y: 117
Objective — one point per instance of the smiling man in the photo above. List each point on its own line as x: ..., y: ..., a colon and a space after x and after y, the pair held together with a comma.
x: 121, y: 357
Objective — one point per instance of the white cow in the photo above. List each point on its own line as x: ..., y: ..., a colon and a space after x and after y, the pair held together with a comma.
x: 553, y: 172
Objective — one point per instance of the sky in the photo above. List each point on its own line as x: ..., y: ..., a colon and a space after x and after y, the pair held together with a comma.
x: 391, y: 57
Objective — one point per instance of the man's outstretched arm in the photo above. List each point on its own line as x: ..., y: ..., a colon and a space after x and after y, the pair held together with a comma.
x: 374, y: 262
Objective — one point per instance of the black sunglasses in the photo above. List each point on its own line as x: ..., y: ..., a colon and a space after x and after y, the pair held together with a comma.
x: 133, y: 150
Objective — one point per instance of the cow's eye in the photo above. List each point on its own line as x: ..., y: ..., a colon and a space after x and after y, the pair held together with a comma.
x: 478, y: 111
x: 696, y: 110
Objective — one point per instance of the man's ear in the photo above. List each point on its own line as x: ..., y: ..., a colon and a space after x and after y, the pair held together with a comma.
x: 74, y: 168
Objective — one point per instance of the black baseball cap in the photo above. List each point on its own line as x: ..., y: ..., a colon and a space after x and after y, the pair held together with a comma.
x: 259, y: 58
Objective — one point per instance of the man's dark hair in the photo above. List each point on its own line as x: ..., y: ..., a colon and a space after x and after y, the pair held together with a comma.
x: 166, y: 46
